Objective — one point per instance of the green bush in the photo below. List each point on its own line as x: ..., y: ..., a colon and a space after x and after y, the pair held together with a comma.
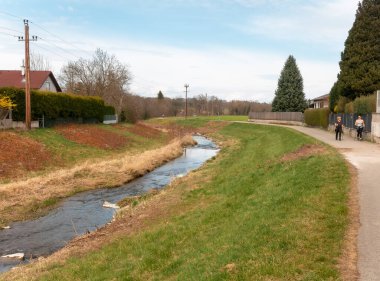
x: 349, y: 108
x: 365, y: 104
x: 341, y: 105
x: 57, y: 105
x: 317, y: 117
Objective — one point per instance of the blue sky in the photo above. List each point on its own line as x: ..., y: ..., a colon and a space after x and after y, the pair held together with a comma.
x: 234, y: 49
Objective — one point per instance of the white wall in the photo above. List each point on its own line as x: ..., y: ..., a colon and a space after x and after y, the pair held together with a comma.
x: 49, y: 85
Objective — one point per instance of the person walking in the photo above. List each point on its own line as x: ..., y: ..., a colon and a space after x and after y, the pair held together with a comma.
x: 359, y: 123
x: 338, y: 128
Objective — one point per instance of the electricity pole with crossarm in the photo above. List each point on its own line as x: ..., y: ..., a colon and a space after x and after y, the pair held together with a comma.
x: 28, y: 117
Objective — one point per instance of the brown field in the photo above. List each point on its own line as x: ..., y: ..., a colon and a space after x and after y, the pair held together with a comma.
x: 142, y: 130
x: 20, y: 154
x: 92, y: 136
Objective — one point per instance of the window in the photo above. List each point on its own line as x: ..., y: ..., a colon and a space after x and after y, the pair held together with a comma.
x: 46, y: 86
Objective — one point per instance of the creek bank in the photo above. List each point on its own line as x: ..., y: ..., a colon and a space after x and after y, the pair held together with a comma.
x: 85, y: 212
x: 40, y: 194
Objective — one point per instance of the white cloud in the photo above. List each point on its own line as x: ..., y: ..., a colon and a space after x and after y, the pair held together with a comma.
x: 323, y: 22
x: 221, y: 71
x: 224, y: 72
x: 227, y: 72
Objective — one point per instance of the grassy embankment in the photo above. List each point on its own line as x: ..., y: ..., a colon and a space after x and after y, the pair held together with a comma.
x: 70, y: 152
x: 198, y: 121
x: 247, y: 215
x: 78, y: 167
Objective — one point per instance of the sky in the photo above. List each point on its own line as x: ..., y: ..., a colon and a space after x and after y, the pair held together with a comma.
x: 232, y: 49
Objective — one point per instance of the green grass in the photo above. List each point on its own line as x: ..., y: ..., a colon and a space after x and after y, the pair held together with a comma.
x: 202, y: 120
x: 67, y: 151
x: 137, y: 143
x: 229, y: 118
x: 272, y: 220
x: 199, y: 120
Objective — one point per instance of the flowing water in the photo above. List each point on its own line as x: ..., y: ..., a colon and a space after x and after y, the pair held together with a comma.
x: 84, y: 212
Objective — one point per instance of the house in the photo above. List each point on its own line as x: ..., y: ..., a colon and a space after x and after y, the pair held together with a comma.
x: 320, y: 102
x: 39, y: 80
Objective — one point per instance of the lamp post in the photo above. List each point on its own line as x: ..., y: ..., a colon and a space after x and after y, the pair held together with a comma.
x: 186, y: 86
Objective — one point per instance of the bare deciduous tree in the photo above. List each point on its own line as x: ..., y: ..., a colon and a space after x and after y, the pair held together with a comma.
x: 39, y: 62
x: 103, y: 75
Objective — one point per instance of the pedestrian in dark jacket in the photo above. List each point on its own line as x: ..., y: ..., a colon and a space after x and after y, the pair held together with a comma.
x: 338, y: 128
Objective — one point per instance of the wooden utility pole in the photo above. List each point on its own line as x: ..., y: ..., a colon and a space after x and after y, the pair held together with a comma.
x: 28, y: 112
x: 186, y: 86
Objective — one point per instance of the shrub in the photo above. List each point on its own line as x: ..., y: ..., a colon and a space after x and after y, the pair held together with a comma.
x: 365, y: 104
x: 317, y: 117
x: 57, y: 105
x: 349, y: 107
x: 341, y: 105
x: 6, y: 103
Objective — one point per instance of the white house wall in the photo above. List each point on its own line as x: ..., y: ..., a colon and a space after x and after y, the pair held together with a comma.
x: 49, y: 85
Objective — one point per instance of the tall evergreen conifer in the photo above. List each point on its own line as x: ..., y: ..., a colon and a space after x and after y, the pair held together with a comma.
x: 360, y: 62
x: 160, y: 95
x: 289, y: 96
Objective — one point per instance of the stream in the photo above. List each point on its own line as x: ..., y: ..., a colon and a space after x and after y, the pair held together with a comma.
x: 84, y: 211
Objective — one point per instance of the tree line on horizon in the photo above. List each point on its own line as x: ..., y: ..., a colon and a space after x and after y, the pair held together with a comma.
x: 105, y: 76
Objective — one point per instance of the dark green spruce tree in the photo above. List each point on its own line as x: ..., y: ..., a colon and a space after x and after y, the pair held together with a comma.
x: 335, y: 93
x: 160, y: 95
x: 360, y: 61
x: 289, y: 96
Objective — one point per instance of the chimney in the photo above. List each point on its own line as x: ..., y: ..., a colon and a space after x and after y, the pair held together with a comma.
x: 23, y: 68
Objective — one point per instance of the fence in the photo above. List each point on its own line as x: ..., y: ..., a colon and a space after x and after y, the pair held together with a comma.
x: 110, y: 119
x: 349, y: 119
x: 5, y: 118
x: 48, y: 123
x: 278, y: 116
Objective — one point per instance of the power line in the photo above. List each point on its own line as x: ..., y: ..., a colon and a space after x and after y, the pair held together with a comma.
x: 9, y: 34
x: 11, y: 15
x: 10, y: 29
x: 55, y: 45
x: 59, y: 38
x: 48, y: 50
x: 50, y: 33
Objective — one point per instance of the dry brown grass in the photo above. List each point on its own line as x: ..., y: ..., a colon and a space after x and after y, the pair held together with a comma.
x: 348, y: 263
x: 26, y: 199
x: 304, y: 151
x: 19, y: 154
x: 156, y: 209
x: 92, y: 136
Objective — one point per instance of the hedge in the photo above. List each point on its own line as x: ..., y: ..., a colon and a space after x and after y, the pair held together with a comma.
x: 57, y: 105
x: 317, y: 117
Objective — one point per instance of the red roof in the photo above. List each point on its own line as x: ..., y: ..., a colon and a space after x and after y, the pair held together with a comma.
x: 14, y: 78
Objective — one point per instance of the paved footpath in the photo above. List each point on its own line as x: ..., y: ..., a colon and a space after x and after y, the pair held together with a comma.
x: 365, y: 156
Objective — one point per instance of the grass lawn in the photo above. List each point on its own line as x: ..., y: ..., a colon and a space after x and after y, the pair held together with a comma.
x: 70, y: 152
x: 67, y: 151
x: 197, y: 121
x: 250, y: 217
